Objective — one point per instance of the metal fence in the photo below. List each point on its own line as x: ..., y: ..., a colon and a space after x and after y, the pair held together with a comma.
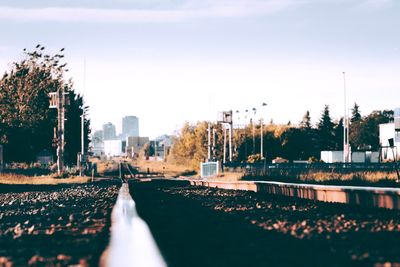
x: 209, y: 169
x: 265, y: 168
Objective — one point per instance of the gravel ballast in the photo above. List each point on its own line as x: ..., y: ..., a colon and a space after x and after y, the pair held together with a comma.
x: 197, y: 226
x: 58, y: 225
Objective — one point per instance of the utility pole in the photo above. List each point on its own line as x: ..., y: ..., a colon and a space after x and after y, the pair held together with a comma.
x: 261, y: 139
x: 83, y: 133
x: 254, y: 131
x: 230, y: 139
x: 83, y: 111
x: 214, y: 143
x: 209, y: 142
x: 155, y: 150
x: 346, y: 144
x: 262, y: 133
x: 245, y: 136
x: 224, y: 158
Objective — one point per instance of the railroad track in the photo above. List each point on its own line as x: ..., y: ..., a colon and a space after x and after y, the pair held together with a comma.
x: 131, y: 242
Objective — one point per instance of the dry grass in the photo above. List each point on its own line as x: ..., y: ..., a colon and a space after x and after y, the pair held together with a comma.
x: 168, y: 169
x: 47, y: 180
x: 228, y: 177
x: 104, y: 167
x: 372, y: 177
x: 357, y: 178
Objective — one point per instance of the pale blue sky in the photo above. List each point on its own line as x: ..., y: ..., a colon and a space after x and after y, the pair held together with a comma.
x: 171, y: 61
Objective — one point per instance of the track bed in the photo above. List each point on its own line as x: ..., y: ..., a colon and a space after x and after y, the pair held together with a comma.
x: 55, y: 225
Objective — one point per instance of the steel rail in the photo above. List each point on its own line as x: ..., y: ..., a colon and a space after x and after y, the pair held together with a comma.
x: 131, y: 242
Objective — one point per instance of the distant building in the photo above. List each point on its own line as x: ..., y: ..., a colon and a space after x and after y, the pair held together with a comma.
x: 113, y: 148
x: 134, y: 144
x: 130, y: 126
x: 388, y: 131
x: 162, y: 146
x: 109, y: 132
x: 164, y: 140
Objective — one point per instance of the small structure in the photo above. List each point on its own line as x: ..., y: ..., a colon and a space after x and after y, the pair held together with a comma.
x: 356, y: 157
x: 134, y: 144
x: 162, y: 146
x: 388, y: 131
x: 209, y: 169
x: 332, y: 156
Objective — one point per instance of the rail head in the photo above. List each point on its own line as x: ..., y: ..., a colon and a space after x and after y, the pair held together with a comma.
x: 131, y: 242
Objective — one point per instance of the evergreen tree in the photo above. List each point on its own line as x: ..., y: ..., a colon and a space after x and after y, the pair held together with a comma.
x: 355, y: 113
x: 368, y: 134
x: 306, y: 121
x: 339, y: 128
x: 325, y: 129
x: 73, y: 127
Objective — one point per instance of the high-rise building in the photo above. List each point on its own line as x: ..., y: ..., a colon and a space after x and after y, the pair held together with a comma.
x: 109, y: 131
x: 130, y: 126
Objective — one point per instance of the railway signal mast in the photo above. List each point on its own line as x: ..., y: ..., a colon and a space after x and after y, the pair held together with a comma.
x: 226, y: 119
x: 58, y: 101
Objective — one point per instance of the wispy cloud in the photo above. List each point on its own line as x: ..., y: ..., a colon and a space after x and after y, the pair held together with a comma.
x: 377, y: 3
x: 190, y: 9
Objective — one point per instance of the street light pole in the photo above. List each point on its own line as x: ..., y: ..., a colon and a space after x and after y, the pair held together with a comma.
x: 254, y: 130
x: 262, y: 133
x: 245, y: 135
x: 230, y: 138
x: 345, y: 124
x: 224, y: 158
x: 209, y: 142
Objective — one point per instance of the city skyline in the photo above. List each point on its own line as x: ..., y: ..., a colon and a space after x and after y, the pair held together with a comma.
x: 118, y: 129
x: 169, y: 62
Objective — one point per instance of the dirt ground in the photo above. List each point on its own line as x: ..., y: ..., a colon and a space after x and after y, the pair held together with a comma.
x: 212, y: 227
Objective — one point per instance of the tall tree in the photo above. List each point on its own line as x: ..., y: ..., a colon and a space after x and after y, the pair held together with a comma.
x: 355, y: 113
x: 306, y: 121
x: 355, y: 131
x: 325, y: 129
x: 368, y: 137
x: 27, y: 123
x: 338, y: 132
x: 73, y: 129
